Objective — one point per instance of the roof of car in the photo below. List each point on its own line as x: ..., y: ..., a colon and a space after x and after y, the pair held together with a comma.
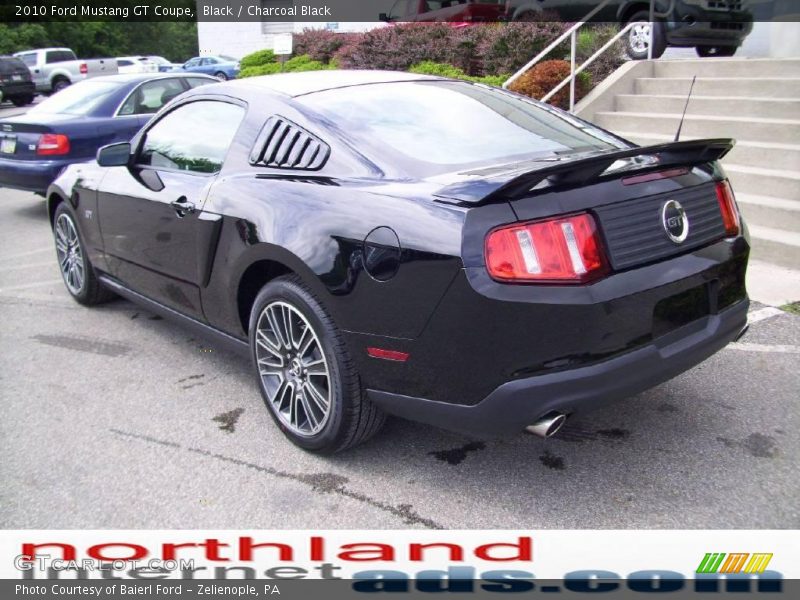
x: 308, y: 82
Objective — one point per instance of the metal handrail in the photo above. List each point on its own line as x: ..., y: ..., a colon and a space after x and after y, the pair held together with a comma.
x: 572, y: 33
x: 569, y: 32
x: 575, y: 72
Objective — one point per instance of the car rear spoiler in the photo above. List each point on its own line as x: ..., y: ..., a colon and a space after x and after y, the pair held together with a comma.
x: 512, y: 184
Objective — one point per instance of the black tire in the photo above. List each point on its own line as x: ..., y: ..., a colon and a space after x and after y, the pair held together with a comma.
x: 659, y: 38
x: 350, y: 418
x: 22, y: 100
x: 220, y: 75
x: 59, y: 83
x: 91, y: 291
x: 716, y: 51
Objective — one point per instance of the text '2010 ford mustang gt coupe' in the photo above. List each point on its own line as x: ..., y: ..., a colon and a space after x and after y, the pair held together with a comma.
x: 386, y: 243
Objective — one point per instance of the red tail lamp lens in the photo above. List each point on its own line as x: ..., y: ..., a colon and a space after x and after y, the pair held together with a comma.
x: 53, y: 143
x: 561, y: 250
x: 727, y: 206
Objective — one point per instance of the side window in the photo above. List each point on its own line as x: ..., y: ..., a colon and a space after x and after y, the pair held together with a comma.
x: 149, y: 97
x: 56, y: 56
x: 124, y: 63
x: 198, y: 81
x: 193, y: 137
x: 193, y: 63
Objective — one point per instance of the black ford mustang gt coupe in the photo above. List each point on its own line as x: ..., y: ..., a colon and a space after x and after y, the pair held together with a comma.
x: 386, y: 243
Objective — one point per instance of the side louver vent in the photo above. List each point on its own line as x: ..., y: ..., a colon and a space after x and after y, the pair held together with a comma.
x: 284, y: 145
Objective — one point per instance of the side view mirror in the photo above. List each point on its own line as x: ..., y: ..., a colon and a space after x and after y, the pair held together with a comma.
x: 114, y: 155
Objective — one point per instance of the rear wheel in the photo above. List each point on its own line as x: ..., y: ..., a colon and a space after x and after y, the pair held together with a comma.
x: 76, y: 270
x: 22, y: 100
x: 719, y: 51
x: 637, y: 42
x: 221, y: 75
x: 306, y: 377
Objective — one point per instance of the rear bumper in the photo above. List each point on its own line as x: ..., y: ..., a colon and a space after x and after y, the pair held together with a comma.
x: 696, y: 27
x: 516, y: 404
x: 15, y: 89
x: 30, y: 175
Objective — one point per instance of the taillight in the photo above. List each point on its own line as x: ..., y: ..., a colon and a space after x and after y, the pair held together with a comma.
x: 727, y: 206
x: 53, y: 143
x: 84, y: 69
x: 559, y: 250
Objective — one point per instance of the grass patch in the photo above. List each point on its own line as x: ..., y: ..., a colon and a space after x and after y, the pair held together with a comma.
x: 792, y: 307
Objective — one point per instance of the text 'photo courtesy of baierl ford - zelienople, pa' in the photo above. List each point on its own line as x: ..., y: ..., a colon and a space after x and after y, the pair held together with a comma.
x: 399, y: 298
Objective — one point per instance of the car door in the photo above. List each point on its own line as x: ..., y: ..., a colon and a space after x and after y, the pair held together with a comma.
x: 192, y: 65
x: 208, y: 65
x: 155, y: 235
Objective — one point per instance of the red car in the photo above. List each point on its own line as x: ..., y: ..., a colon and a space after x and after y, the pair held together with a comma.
x: 452, y: 11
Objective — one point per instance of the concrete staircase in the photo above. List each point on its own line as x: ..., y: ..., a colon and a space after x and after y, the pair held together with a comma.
x: 755, y: 101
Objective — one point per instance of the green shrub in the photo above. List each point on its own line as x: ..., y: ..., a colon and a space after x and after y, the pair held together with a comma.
x: 257, y: 59
x: 429, y: 67
x: 293, y: 65
x: 268, y: 69
x: 303, y: 63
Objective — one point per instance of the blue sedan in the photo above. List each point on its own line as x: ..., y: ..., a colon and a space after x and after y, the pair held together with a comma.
x: 71, y: 125
x: 220, y: 66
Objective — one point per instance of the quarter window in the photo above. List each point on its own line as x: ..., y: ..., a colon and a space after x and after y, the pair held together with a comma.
x: 149, y: 97
x: 194, y: 137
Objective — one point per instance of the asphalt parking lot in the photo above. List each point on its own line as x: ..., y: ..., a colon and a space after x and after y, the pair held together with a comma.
x: 114, y: 418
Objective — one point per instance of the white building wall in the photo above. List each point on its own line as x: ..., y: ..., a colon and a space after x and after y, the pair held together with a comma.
x: 772, y: 40
x: 237, y: 39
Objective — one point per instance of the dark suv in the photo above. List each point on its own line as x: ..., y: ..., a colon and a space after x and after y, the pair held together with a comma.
x: 15, y: 81
x: 713, y: 27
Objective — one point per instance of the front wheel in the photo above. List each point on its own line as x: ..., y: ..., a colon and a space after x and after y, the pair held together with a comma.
x: 716, y: 51
x: 637, y: 42
x: 76, y: 270
x: 306, y: 376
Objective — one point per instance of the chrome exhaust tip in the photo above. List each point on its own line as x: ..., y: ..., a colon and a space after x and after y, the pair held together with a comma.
x: 548, y: 425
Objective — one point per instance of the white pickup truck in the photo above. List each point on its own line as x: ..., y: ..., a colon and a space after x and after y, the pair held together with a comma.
x: 53, y: 69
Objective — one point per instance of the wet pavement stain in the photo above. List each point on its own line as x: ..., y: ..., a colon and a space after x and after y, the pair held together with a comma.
x: 84, y: 344
x: 756, y: 444
x: 614, y: 434
x: 552, y: 461
x: 228, y: 419
x: 134, y: 316
x: 191, y: 378
x: 156, y: 318
x: 323, y: 483
x: 455, y: 456
x: 666, y: 407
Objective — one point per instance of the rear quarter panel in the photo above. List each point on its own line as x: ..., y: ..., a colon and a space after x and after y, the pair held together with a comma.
x: 318, y: 229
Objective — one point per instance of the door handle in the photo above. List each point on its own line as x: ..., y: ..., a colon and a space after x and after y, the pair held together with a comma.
x: 182, y: 206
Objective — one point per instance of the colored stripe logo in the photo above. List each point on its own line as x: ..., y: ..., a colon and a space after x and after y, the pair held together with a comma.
x: 736, y: 562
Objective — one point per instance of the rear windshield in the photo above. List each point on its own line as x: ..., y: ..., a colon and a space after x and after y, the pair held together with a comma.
x: 440, y: 126
x: 78, y: 99
x: 9, y: 64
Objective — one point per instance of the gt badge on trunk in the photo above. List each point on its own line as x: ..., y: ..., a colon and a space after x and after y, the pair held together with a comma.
x: 675, y: 222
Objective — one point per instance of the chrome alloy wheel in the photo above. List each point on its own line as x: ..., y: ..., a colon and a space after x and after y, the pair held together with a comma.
x: 293, y: 369
x: 70, y: 254
x: 639, y: 37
